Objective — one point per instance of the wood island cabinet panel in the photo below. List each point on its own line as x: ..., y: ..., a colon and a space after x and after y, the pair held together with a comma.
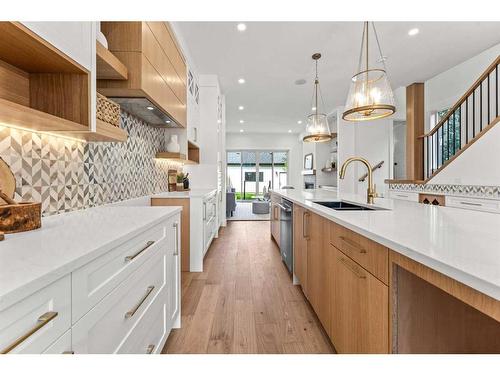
x: 318, y: 275
x: 300, y: 245
x: 275, y: 222
x: 359, y: 305
x: 369, y: 254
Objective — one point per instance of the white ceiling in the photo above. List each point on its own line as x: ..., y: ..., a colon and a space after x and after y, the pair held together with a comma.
x: 271, y: 56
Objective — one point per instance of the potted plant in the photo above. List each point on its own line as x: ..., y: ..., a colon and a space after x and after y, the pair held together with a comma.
x: 180, y: 181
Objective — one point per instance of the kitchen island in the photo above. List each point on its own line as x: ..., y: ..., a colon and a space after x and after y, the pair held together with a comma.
x: 394, y: 274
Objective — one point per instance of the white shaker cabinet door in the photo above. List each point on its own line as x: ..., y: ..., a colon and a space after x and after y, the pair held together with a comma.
x: 74, y: 39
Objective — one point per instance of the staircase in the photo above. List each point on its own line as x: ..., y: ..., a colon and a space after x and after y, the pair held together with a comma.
x: 470, y: 118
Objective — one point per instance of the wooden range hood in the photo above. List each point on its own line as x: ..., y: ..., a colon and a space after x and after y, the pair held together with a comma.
x: 156, y: 86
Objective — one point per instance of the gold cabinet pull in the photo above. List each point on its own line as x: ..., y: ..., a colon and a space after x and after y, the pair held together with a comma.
x: 150, y: 349
x: 68, y: 352
x: 132, y: 257
x: 131, y: 313
x: 352, y: 268
x: 305, y: 217
x: 353, y: 244
x: 41, y: 321
x: 176, y: 226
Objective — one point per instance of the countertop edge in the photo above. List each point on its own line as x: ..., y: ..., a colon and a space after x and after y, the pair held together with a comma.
x: 467, y: 279
x: 46, y: 279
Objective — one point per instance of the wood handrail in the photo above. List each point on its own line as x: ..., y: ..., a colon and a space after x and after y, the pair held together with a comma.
x: 464, y: 97
x: 376, y: 166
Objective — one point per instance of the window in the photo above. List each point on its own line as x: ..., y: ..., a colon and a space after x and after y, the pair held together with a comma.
x: 252, y: 173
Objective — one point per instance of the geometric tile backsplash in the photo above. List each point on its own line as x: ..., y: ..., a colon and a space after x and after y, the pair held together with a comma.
x: 67, y: 175
x: 478, y: 191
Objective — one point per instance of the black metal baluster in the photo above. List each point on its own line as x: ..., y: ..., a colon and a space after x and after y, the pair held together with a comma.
x: 428, y: 155
x: 488, y: 100
x: 466, y: 120
x: 460, y: 127
x: 496, y: 92
x: 437, y: 152
x: 473, y: 113
x: 481, y: 106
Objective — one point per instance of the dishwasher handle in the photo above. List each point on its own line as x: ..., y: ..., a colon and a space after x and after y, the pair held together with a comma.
x: 286, y: 209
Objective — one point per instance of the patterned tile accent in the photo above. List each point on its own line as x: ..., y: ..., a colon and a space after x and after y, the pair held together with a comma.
x: 68, y: 175
x: 477, y: 191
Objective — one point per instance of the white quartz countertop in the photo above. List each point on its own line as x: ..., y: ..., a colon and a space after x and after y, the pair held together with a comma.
x: 462, y: 244
x: 31, y: 260
x: 196, y: 193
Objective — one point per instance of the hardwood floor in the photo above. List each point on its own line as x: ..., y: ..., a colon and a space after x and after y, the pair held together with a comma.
x: 244, y: 301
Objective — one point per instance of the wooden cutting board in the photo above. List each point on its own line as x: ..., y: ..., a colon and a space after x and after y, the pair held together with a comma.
x: 7, y: 181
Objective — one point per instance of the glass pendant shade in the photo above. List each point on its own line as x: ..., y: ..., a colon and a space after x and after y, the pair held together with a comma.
x: 317, y: 128
x: 370, y: 94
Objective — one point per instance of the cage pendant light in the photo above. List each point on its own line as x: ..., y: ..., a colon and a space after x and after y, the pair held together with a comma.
x: 370, y: 95
x: 317, y: 129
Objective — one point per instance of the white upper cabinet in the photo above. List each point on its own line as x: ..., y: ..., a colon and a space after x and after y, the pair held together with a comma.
x: 193, y: 108
x: 74, y: 39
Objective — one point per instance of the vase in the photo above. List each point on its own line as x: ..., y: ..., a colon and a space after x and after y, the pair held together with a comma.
x: 173, y: 144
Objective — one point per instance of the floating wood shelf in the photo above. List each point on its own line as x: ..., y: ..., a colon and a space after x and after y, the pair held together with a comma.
x: 104, y: 133
x: 20, y: 116
x: 175, y: 156
x: 328, y: 170
x: 108, y: 65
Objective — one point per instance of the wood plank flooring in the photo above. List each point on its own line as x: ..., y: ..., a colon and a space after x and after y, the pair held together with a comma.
x: 244, y: 301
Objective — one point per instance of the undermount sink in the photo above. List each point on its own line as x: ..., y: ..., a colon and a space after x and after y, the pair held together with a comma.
x: 346, y: 206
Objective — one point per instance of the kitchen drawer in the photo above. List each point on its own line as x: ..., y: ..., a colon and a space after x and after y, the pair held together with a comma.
x: 92, y: 282
x: 151, y: 330
x: 488, y: 205
x: 104, y: 327
x: 369, y: 254
x: 38, y: 320
x: 403, y: 195
x: 62, y: 345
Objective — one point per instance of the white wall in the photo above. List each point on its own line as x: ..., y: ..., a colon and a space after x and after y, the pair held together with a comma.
x: 371, y: 140
x: 443, y: 90
x: 261, y: 141
x: 478, y: 165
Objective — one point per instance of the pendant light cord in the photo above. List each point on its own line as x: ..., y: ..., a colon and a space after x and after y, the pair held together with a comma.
x: 382, y: 59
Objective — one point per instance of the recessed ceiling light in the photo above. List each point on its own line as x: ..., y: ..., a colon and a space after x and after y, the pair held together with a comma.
x: 241, y: 121
x: 167, y: 121
x: 241, y: 27
x: 241, y: 108
x: 241, y: 81
x: 299, y: 122
x: 313, y: 108
x: 150, y: 108
x: 413, y: 31
x: 241, y: 130
x: 289, y: 130
x: 300, y: 81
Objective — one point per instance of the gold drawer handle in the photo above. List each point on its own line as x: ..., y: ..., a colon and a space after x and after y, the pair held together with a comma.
x: 132, y: 257
x: 353, y: 244
x: 68, y: 352
x: 131, y: 313
x: 352, y: 268
x: 150, y: 349
x: 41, y: 321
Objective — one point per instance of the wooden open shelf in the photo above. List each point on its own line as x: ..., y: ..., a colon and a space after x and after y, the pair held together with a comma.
x: 41, y: 89
x: 175, y: 156
x: 104, y: 133
x: 108, y: 65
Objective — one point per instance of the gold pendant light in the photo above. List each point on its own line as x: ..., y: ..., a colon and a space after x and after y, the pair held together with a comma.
x: 317, y: 129
x: 370, y: 95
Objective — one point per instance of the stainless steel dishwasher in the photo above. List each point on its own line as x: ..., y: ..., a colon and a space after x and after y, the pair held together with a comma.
x: 286, y: 233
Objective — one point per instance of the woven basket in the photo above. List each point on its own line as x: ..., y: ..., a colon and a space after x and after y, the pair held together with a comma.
x: 108, y: 111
